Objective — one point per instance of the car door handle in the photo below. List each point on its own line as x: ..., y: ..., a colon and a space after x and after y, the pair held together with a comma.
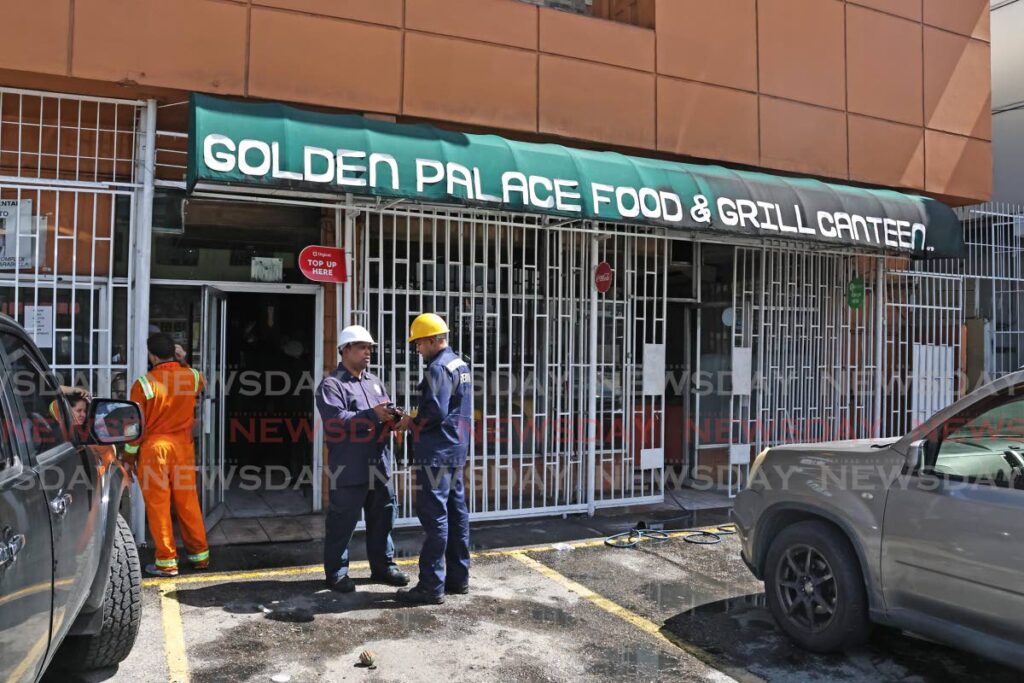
x: 59, y: 505
x: 9, y: 549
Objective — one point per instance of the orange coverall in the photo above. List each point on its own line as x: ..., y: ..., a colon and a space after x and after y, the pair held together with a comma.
x: 167, y: 461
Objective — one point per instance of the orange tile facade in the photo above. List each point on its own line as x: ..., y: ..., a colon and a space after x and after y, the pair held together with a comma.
x: 881, y: 92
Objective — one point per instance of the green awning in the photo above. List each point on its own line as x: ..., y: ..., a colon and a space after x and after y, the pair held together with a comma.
x: 274, y: 147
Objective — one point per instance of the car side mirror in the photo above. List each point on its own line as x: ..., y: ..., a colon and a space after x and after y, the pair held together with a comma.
x: 917, y: 456
x: 113, y: 421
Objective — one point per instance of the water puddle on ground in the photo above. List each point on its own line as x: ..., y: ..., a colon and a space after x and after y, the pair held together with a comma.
x: 291, y: 615
x: 413, y: 618
x: 634, y: 661
x: 741, y: 603
x: 242, y: 607
x: 742, y: 631
x: 678, y: 596
x: 552, y: 616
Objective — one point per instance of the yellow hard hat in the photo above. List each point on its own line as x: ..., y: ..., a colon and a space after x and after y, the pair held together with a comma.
x: 427, y: 325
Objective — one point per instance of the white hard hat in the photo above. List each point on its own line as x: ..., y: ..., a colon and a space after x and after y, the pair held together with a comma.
x: 354, y: 334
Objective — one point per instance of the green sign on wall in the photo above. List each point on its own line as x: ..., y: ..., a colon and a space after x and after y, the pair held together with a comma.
x: 277, y: 147
x: 855, y: 293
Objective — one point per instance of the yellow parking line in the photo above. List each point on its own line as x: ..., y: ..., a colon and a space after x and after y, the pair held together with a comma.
x: 630, y: 617
x: 215, y: 577
x: 645, y: 625
x: 239, y: 575
x: 174, y: 634
x: 256, y: 574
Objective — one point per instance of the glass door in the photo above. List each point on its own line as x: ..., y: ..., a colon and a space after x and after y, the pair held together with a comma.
x: 211, y: 438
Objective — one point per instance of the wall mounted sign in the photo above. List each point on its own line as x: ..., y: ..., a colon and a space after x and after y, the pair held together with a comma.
x: 855, y: 293
x: 18, y: 228
x: 266, y: 269
x: 39, y: 325
x: 270, y: 147
x: 323, y: 264
x: 603, y: 277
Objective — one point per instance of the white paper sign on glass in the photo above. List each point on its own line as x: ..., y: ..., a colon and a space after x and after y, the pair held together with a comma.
x: 39, y: 324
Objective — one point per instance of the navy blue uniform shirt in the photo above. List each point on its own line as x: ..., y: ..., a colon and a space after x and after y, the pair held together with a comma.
x: 357, y: 441
x: 443, y: 426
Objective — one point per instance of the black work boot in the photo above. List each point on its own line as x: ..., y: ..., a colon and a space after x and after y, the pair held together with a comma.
x: 456, y: 589
x: 418, y: 596
x: 392, y: 577
x: 343, y: 585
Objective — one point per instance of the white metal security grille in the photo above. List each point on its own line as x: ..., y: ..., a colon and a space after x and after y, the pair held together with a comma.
x: 67, y: 186
x: 629, y: 392
x: 834, y: 346
x: 519, y: 297
x: 994, y: 272
x: 924, y: 325
x: 64, y: 281
x: 805, y: 357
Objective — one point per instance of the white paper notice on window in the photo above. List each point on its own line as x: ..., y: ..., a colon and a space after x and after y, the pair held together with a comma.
x: 18, y: 230
x: 654, y: 369
x: 742, y: 371
x: 267, y: 269
x: 39, y: 324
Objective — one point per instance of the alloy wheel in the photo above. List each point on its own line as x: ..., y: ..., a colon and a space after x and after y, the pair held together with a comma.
x: 806, y: 587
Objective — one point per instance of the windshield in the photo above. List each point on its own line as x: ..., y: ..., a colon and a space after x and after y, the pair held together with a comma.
x: 1004, y: 421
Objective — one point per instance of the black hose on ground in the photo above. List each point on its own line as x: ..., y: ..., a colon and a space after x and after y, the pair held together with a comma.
x: 631, y: 538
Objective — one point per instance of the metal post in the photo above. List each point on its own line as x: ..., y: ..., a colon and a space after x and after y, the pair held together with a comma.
x: 343, y: 303
x: 739, y: 314
x: 318, y: 428
x: 991, y: 340
x: 143, y: 233
x: 592, y: 383
x: 880, y: 332
x: 693, y: 384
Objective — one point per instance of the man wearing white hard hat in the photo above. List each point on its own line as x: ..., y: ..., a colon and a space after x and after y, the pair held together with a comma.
x: 358, y: 416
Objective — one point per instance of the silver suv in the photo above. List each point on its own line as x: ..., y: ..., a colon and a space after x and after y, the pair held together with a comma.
x: 924, y: 534
x: 70, y: 585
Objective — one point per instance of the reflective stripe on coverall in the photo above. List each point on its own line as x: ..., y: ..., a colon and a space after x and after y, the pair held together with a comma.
x: 167, y: 460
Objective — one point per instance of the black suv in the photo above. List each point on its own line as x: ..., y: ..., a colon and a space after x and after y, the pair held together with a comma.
x: 70, y: 584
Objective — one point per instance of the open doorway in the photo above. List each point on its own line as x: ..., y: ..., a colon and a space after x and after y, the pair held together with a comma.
x: 258, y: 347
x: 682, y: 295
x: 717, y: 327
x: 700, y: 327
x: 268, y: 404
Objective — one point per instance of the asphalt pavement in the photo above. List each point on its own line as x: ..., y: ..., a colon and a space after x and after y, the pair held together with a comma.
x: 564, y: 607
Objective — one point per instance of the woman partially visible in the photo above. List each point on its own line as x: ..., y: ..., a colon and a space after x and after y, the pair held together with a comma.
x: 78, y: 402
x: 79, y: 409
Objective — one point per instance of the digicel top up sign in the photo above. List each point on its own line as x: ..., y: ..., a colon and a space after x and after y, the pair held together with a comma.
x: 323, y: 264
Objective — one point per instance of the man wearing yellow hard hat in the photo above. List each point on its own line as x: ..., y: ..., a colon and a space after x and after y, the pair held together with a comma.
x: 440, y: 437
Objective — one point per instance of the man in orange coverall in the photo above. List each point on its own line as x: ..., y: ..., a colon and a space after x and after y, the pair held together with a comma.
x: 166, y: 464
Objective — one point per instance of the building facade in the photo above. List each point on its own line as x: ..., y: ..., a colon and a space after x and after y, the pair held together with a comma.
x: 995, y: 230
x: 638, y: 301
x: 1007, y: 102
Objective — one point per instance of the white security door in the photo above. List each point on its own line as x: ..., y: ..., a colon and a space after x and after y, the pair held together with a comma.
x: 628, y: 368
x: 520, y: 299
x: 212, y: 433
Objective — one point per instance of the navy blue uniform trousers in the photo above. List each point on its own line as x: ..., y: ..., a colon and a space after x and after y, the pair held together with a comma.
x: 441, y: 508
x: 347, y: 503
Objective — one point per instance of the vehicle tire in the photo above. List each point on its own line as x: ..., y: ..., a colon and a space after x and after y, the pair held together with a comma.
x: 122, y: 611
x: 815, y: 588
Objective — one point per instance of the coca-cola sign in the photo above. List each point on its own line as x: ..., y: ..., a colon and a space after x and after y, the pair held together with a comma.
x: 603, y: 277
